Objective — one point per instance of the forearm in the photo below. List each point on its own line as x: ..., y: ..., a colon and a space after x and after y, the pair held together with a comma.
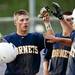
x: 66, y: 24
x: 49, y: 29
x: 65, y: 41
x: 45, y: 67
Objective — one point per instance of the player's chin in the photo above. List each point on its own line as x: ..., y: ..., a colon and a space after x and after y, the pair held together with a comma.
x: 25, y: 29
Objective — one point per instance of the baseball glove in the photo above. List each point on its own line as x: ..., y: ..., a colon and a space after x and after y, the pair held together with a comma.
x: 57, y: 11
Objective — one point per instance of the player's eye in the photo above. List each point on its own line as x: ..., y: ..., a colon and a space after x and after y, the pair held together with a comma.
x: 27, y: 19
x: 22, y: 20
x: 72, y: 19
x: 69, y: 19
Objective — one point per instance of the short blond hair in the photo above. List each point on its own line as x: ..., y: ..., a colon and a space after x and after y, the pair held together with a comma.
x: 20, y: 12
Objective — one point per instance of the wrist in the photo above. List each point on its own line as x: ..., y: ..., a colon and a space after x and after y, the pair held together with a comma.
x: 48, y: 26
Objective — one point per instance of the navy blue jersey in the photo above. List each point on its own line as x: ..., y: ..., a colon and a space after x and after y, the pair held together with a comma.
x: 59, y: 58
x: 27, y: 61
x: 71, y: 61
x: 72, y: 35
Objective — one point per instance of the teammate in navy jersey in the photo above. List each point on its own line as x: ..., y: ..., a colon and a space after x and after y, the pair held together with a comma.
x: 28, y: 45
x: 71, y: 42
x: 44, y: 14
x: 60, y: 53
x: 71, y: 61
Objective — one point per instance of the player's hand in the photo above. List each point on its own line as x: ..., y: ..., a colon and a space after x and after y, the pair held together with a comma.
x: 44, y: 14
x: 43, y: 11
x: 46, y: 18
x: 50, y: 38
x: 57, y: 12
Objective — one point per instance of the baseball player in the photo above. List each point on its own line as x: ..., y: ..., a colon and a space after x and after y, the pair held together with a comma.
x: 71, y: 61
x: 28, y: 45
x: 44, y: 14
x: 60, y: 53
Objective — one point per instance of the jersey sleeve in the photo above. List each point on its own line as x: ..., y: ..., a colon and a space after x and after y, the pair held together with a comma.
x: 72, y: 35
x: 48, y: 51
x: 39, y: 39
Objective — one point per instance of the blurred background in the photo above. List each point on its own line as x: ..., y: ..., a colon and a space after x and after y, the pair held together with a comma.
x: 8, y: 7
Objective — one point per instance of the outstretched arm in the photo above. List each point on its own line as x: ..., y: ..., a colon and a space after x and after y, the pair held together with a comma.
x: 53, y: 39
x: 48, y: 27
x: 45, y: 67
x: 44, y: 14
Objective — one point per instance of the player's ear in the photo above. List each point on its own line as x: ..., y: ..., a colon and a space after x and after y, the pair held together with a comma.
x: 15, y: 19
x: 14, y: 22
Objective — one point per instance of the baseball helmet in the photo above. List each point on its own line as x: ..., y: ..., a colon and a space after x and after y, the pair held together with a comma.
x: 8, y: 52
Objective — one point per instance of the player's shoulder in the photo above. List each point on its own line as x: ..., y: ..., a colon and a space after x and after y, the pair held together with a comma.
x: 9, y: 36
x: 73, y: 32
x: 72, y: 35
x: 36, y: 34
